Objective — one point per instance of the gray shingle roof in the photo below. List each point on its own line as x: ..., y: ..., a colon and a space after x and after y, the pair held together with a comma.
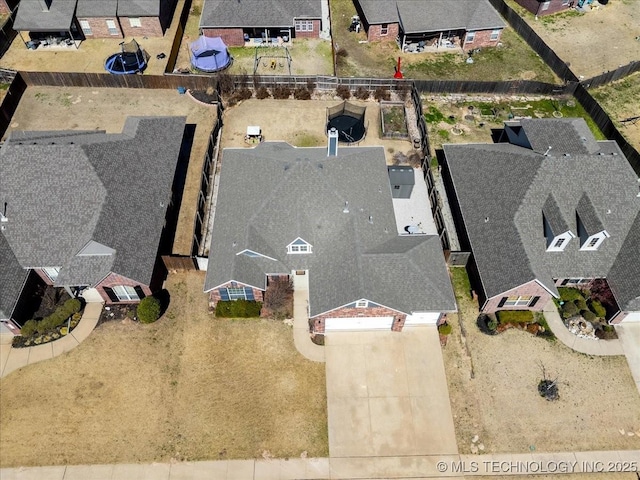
x: 624, y: 277
x: 417, y: 16
x: 509, y: 185
x: 31, y: 17
x: 12, y: 278
x: 139, y: 8
x: 96, y: 8
x: 257, y: 13
x: 552, y: 215
x: 564, y: 135
x: 275, y: 193
x: 109, y: 188
x: 588, y: 215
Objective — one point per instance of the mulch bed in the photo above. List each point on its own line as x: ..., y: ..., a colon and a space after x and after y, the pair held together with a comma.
x: 117, y: 312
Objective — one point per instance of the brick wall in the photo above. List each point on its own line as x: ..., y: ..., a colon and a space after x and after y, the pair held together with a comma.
x: 150, y: 27
x: 532, y: 288
x: 317, y: 322
x: 214, y: 295
x: 45, y: 278
x: 482, y: 39
x: 232, y: 37
x: 534, y: 6
x: 112, y: 280
x: 99, y: 27
x: 309, y: 34
x: 4, y: 8
x: 374, y: 34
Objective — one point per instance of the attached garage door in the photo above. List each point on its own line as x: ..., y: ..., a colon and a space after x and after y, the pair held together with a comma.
x: 422, y: 318
x: 631, y: 317
x: 358, y: 323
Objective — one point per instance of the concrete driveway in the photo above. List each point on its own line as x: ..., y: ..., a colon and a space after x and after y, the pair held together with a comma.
x: 387, y: 394
x: 629, y: 335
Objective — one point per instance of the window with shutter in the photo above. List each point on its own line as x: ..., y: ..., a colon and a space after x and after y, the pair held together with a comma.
x: 111, y: 294
x: 534, y: 301
x: 503, y: 300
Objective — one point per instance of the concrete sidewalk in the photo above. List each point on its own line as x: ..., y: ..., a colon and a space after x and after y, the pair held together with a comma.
x: 629, y: 335
x: 301, y: 336
x: 582, y: 345
x: 14, y: 358
x: 415, y: 467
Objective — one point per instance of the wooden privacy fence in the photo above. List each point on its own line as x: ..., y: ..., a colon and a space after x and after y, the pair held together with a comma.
x: 174, y: 263
x: 10, y: 102
x: 612, y: 76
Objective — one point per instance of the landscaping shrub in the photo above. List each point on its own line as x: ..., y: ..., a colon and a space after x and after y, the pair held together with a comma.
x: 343, y: 92
x: 238, y: 309
x: 29, y: 328
x: 588, y: 315
x: 301, y: 94
x: 148, y: 310
x: 444, y: 329
x: 514, y: 316
x: 242, y: 94
x: 569, y: 309
x: 597, y: 308
x: 382, y: 93
x: 362, y: 93
x: 580, y: 303
x: 281, y: 92
x: 570, y: 294
x: 225, y: 83
x: 311, y: 86
x: 487, y: 324
x: 262, y: 93
x: 403, y: 91
x: 61, y: 314
x: 278, y: 293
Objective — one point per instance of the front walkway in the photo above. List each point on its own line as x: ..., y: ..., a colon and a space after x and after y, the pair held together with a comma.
x: 14, y: 358
x: 582, y: 345
x: 387, y: 396
x: 301, y: 336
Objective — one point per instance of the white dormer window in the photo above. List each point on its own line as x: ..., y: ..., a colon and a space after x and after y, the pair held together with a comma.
x: 299, y: 246
x: 362, y: 303
x: 594, y: 241
x: 559, y: 243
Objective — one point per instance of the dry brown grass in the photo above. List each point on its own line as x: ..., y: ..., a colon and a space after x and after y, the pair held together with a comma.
x: 187, y: 387
x: 501, y: 403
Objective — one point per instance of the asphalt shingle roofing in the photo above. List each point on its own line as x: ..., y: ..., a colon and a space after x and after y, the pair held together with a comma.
x: 12, y: 277
x: 97, y: 8
x: 273, y: 194
x: 31, y: 16
x: 64, y: 191
x: 257, y: 13
x: 502, y: 190
x: 417, y: 16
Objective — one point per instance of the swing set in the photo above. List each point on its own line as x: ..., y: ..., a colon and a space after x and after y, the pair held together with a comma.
x: 272, y: 58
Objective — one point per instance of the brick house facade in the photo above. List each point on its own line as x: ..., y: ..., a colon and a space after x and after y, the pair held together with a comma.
x: 141, y: 26
x: 386, y: 32
x: 114, y: 280
x: 232, y: 37
x: 215, y: 295
x: 99, y: 27
x: 540, y: 8
x: 530, y: 296
x: 481, y: 39
x: 313, y: 33
x: 317, y: 323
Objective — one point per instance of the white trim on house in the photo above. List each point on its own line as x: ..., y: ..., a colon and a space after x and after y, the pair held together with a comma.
x: 239, y: 283
x: 299, y: 247
x: 357, y: 324
x: 51, y: 272
x: 560, y: 242
x: 354, y: 301
x: 594, y: 241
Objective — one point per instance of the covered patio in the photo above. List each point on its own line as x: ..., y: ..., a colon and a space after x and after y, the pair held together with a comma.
x: 47, y: 24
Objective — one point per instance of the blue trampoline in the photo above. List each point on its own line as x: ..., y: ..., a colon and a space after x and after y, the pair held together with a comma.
x: 131, y: 59
x: 210, y: 54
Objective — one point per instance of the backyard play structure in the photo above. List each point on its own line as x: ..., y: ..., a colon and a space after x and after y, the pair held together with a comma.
x: 348, y: 120
x: 272, y: 58
x: 130, y: 59
x: 209, y: 54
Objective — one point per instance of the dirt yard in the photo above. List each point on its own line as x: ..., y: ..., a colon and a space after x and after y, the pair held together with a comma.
x: 621, y: 100
x: 598, y: 409
x: 189, y: 387
x: 593, y: 42
x: 301, y: 123
x: 91, y: 54
x: 52, y: 108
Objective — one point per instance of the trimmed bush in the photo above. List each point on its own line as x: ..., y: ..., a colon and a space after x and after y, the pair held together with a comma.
x: 262, y: 93
x: 492, y: 323
x: 382, y: 93
x: 444, y: 329
x: 238, y: 309
x: 514, y: 316
x: 597, y: 308
x: 281, y: 92
x: 29, y: 328
x: 588, y: 315
x: 302, y: 94
x: 61, y: 315
x: 343, y: 92
x: 362, y: 93
x: 569, y: 309
x: 148, y: 310
x: 570, y: 294
x: 581, y: 303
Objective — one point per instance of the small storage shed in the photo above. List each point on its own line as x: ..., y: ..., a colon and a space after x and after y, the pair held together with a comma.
x: 402, y: 180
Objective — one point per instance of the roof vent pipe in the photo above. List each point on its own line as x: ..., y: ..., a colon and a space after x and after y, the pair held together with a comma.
x: 548, y: 150
x: 346, y: 207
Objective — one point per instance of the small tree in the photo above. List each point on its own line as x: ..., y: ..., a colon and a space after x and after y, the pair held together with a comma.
x: 148, y: 310
x: 343, y: 92
x: 547, y: 388
x: 362, y: 93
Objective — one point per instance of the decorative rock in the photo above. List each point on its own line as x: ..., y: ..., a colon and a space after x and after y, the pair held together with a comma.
x: 474, y: 449
x: 621, y: 431
x: 475, y: 438
x: 481, y: 446
x: 630, y: 434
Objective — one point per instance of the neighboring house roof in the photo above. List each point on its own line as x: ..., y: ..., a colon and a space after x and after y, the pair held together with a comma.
x: 503, y: 189
x: 257, y: 13
x: 96, y: 8
x: 139, y: 8
x: 417, y: 16
x: 275, y: 193
x: 624, y: 277
x: 12, y: 278
x: 90, y: 203
x: 31, y: 16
